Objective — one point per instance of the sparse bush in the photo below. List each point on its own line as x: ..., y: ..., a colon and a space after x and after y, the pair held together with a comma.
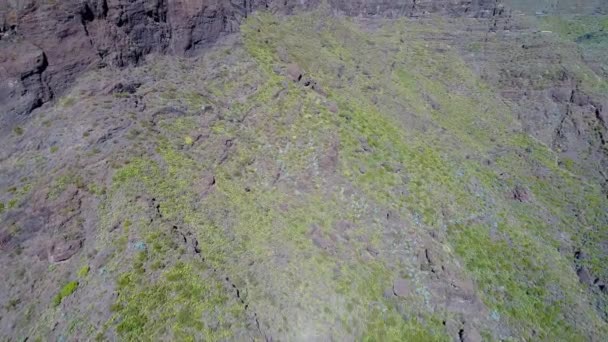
x: 12, y: 203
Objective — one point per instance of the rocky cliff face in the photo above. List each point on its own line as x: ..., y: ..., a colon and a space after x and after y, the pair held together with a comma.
x: 44, y: 45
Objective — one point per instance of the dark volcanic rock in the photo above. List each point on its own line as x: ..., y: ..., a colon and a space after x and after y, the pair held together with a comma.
x: 22, y: 87
x: 521, y: 194
x: 45, y: 45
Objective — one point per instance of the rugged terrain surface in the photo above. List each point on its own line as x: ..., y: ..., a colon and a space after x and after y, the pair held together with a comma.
x: 45, y: 45
x: 354, y: 170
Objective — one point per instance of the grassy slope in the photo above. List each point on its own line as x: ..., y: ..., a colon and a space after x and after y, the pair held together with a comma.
x: 432, y: 125
x: 531, y: 284
x: 590, y: 33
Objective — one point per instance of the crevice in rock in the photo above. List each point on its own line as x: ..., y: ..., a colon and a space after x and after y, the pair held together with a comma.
x: 104, y: 8
x: 86, y: 16
x: 111, y: 133
x: 189, y: 239
x: 226, y: 151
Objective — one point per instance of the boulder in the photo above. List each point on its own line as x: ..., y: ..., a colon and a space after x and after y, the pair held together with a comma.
x: 402, y: 287
x: 333, y: 107
x: 64, y: 250
x: 294, y: 72
x: 520, y: 194
x: 584, y: 276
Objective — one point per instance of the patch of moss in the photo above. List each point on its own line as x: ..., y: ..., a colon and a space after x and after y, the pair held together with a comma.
x: 83, y: 272
x: 66, y: 291
x: 12, y: 304
x: 66, y: 101
x: 12, y: 203
x: 96, y: 189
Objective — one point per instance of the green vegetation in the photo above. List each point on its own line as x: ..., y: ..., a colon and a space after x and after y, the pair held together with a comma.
x: 18, y: 194
x: 122, y: 95
x: 458, y: 107
x: 62, y: 182
x: 65, y: 292
x: 183, y: 301
x: 83, y: 272
x: 573, y: 28
x: 12, y: 203
x: 18, y: 130
x: 96, y: 189
x: 67, y: 101
x: 12, y: 304
x: 590, y: 36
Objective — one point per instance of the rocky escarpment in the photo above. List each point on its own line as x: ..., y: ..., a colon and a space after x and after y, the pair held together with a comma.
x: 44, y: 45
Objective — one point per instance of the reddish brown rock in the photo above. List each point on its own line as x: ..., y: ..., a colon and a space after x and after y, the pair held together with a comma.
x: 64, y: 250
x: 520, y: 194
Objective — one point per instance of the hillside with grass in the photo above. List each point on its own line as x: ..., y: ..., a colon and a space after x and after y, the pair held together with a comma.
x: 316, y: 176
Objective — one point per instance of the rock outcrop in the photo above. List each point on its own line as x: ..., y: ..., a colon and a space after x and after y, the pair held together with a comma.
x: 44, y: 45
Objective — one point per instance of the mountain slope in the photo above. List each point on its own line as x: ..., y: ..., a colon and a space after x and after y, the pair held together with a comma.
x: 313, y: 177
